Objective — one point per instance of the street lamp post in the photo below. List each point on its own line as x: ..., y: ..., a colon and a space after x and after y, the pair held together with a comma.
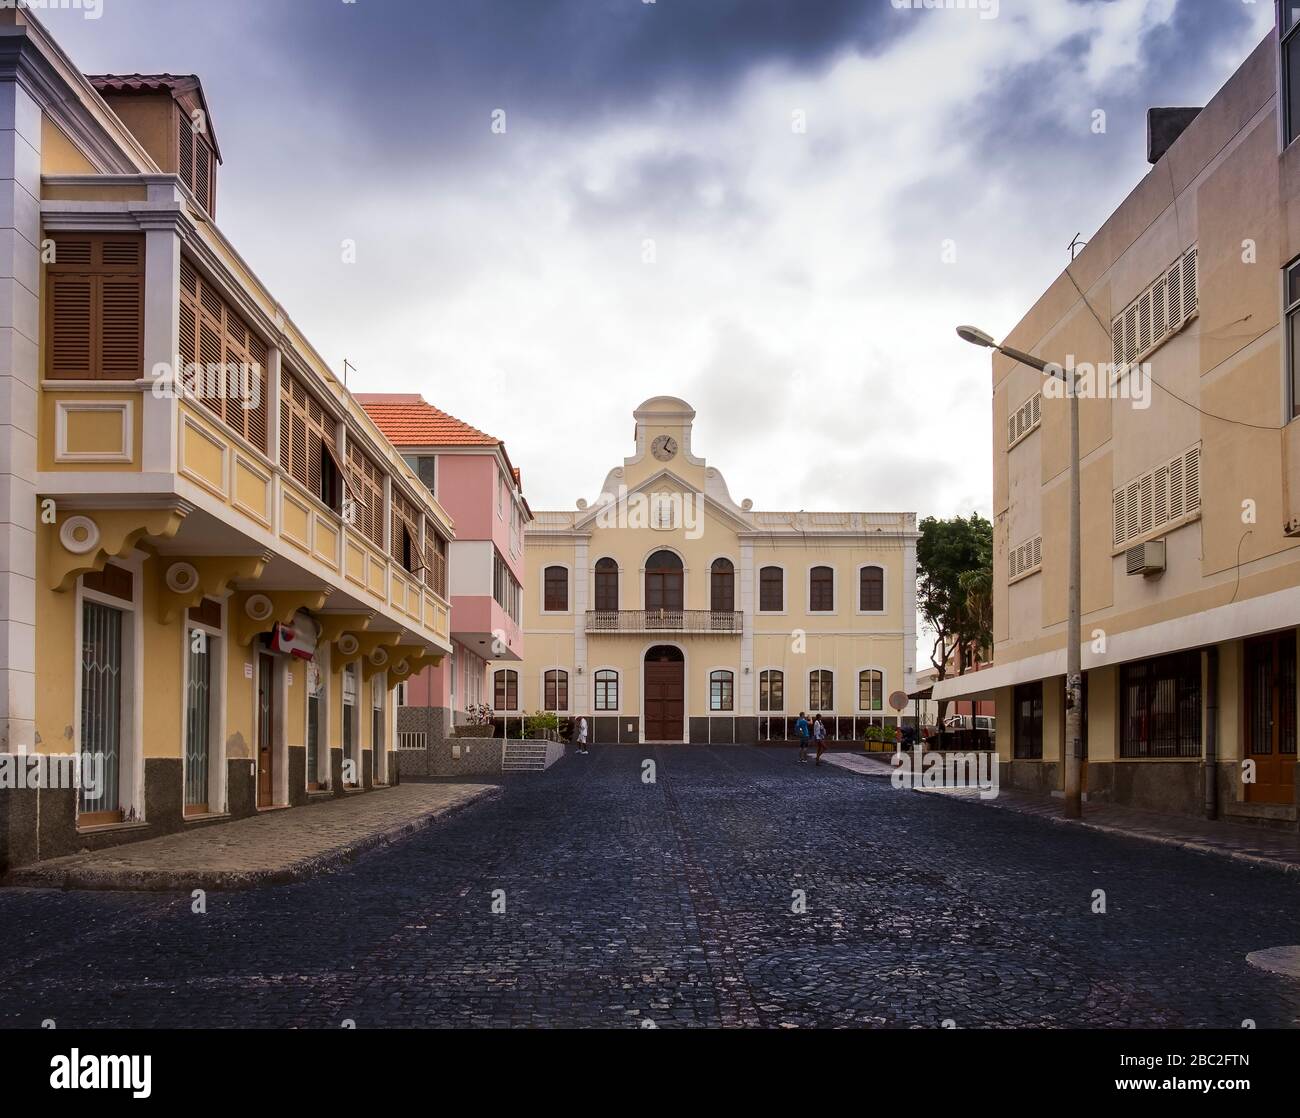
x: 1073, y: 636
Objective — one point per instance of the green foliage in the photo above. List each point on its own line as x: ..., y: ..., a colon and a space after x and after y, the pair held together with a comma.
x: 538, y: 723
x: 881, y: 734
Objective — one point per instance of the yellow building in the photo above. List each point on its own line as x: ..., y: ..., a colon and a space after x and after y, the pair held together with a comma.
x: 666, y: 611
x: 215, y: 568
x: 1190, y: 471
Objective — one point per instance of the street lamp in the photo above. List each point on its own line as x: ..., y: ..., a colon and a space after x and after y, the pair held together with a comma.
x: 1073, y: 657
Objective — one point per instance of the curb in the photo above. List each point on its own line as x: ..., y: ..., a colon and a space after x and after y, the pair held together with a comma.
x: 1260, y: 860
x: 157, y: 881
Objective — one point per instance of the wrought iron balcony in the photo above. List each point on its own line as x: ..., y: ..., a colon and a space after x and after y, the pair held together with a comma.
x: 720, y: 621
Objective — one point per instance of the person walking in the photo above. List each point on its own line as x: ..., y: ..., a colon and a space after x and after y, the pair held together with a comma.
x: 819, y: 736
x: 582, y: 735
x: 802, y: 730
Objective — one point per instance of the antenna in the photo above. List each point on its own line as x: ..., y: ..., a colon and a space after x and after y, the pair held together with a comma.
x: 346, y: 366
x: 1076, y: 245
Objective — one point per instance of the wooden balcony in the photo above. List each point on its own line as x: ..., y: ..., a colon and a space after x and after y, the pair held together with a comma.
x: 698, y: 621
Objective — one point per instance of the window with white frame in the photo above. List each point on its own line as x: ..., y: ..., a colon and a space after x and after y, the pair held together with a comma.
x: 1289, y: 26
x: 1166, y: 495
x: 555, y: 687
x: 1025, y: 559
x: 1157, y: 313
x: 721, y: 689
x: 1025, y: 419
x: 606, y: 689
x: 871, y: 689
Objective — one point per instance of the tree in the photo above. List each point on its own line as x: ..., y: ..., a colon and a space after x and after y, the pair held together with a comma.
x: 954, y: 589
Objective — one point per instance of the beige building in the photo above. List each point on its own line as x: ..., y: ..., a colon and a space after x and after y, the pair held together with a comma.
x: 1190, y: 504
x: 667, y: 611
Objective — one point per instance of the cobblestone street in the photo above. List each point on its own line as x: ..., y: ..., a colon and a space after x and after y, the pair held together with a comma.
x: 671, y: 903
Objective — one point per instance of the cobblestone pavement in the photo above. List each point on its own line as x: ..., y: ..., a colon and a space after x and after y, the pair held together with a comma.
x: 671, y: 902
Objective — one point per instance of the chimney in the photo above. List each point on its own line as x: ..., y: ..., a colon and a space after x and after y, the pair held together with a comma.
x: 1164, y: 126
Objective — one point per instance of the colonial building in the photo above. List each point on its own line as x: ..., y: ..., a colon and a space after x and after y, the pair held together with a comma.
x: 215, y: 567
x: 471, y: 476
x: 667, y: 611
x: 1190, y: 476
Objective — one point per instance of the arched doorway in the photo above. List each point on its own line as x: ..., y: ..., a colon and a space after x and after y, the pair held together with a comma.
x: 665, y: 693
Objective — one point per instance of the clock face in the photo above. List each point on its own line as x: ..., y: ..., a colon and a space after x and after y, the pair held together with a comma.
x: 664, y: 447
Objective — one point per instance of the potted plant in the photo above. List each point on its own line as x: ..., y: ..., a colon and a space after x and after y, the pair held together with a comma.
x: 477, y: 724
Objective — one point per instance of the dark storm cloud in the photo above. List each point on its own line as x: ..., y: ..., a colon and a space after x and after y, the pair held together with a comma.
x: 446, y: 64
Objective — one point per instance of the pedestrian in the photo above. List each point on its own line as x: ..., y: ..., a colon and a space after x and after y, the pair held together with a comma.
x: 801, y: 729
x: 582, y: 735
x: 819, y: 736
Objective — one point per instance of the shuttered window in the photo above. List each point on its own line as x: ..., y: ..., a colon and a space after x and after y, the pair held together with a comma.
x: 435, y: 562
x: 366, y: 495
x: 225, y: 360
x: 1025, y: 419
x: 1162, y: 496
x: 95, y: 307
x: 404, y: 540
x: 1157, y: 313
x: 197, y: 164
x: 1025, y: 559
x: 307, y: 442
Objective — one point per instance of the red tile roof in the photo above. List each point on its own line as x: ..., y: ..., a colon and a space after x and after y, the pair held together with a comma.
x: 408, y: 420
x: 178, y: 85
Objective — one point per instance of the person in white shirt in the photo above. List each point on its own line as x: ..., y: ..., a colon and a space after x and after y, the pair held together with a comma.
x: 582, y: 735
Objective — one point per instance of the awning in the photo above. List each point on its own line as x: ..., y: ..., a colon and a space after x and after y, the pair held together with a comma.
x: 1263, y: 614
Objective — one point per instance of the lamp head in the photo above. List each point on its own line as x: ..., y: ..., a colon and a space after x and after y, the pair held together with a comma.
x: 976, y: 336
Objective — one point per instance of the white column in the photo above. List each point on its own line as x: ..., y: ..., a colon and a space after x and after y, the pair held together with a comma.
x: 580, y: 627
x: 20, y: 234
x: 909, y: 606
x: 747, y: 670
x: 162, y: 298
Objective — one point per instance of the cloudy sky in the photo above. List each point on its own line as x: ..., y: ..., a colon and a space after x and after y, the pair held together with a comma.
x: 751, y: 204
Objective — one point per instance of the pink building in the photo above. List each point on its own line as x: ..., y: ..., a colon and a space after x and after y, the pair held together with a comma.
x: 470, y: 474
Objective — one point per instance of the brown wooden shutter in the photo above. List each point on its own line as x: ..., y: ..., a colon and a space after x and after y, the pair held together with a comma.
x: 367, y: 495
x: 95, y: 307
x: 213, y: 334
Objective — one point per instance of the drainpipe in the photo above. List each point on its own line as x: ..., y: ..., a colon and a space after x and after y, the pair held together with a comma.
x: 1212, y: 733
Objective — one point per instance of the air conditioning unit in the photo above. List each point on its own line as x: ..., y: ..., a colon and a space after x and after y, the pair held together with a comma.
x: 1146, y: 558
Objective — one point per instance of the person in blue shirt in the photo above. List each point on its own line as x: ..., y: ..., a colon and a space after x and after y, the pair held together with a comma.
x: 801, y: 728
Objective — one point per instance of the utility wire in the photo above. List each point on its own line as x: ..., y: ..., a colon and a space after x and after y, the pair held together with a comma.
x: 1195, y: 407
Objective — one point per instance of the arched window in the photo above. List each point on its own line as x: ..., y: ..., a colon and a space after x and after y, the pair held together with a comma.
x: 606, y: 584
x: 721, y: 689
x: 555, y: 590
x: 606, y: 690
x: 821, y: 690
x: 663, y: 581
x: 555, y: 687
x: 722, y: 586
x: 771, y: 589
x: 871, y: 690
x: 505, y: 689
x: 821, y: 590
x: 871, y: 589
x: 771, y: 690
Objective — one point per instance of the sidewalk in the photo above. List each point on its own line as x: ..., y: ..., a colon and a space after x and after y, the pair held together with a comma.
x: 1256, y: 845
x: 271, y: 848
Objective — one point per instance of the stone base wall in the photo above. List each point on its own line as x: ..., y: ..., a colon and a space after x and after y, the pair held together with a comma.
x: 453, y: 757
x: 37, y: 823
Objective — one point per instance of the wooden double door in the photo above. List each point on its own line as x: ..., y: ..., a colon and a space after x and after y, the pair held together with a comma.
x: 1270, y: 716
x: 665, y: 694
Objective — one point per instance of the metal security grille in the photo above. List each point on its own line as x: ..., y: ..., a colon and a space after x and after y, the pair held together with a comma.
x: 315, y: 687
x: 378, y: 738
x: 1160, y: 714
x: 198, y: 721
x: 101, y: 701
x: 349, y: 703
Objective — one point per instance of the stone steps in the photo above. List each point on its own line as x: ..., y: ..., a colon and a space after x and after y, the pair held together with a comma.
x: 524, y: 756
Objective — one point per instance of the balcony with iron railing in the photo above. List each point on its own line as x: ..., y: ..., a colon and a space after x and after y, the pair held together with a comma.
x: 720, y: 622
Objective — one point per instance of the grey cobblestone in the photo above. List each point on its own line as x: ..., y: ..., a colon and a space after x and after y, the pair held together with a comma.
x: 671, y: 902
